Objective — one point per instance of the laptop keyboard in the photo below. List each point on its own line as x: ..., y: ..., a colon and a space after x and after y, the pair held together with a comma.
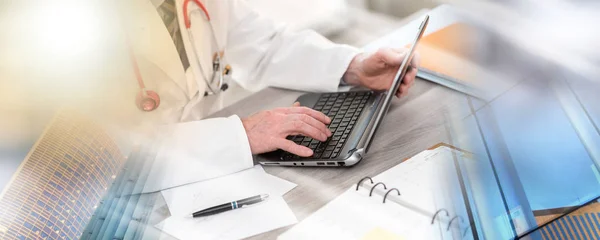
x: 343, y: 109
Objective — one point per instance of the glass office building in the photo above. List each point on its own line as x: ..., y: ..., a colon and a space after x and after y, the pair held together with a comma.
x: 125, y: 213
x: 537, y: 144
x: 59, y: 185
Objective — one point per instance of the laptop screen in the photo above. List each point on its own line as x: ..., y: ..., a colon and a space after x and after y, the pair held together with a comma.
x: 405, y: 64
x: 397, y: 80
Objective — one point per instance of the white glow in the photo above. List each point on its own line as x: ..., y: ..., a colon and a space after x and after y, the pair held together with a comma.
x: 67, y: 28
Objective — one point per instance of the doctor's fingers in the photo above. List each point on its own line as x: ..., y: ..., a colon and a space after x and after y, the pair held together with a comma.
x: 407, y: 83
x: 311, y: 121
x: 416, y: 60
x: 409, y: 78
x: 390, y: 56
x: 303, y: 128
x: 304, y: 110
x: 292, y: 147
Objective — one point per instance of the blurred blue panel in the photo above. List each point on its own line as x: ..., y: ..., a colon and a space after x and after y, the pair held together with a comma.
x: 481, y: 184
x: 550, y: 159
x: 586, y: 91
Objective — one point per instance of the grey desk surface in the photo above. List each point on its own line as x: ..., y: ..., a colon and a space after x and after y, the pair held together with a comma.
x: 414, y: 123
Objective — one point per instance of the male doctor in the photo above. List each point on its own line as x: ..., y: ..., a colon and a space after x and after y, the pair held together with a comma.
x: 260, y: 53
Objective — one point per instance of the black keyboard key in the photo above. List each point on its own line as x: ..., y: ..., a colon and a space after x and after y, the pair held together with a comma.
x: 320, y: 148
x: 326, y: 154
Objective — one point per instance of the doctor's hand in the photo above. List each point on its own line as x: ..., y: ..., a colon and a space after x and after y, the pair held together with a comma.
x: 267, y: 130
x: 377, y: 70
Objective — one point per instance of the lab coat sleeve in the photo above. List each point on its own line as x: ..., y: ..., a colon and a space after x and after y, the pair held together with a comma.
x: 266, y: 54
x: 200, y: 150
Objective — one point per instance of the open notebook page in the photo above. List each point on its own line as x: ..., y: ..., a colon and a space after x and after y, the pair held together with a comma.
x: 427, y: 182
x: 355, y: 215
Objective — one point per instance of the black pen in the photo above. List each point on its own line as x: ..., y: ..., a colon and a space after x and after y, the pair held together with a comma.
x: 230, y: 206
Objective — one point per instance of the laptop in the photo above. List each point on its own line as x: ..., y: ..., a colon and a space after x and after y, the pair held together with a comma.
x: 355, y: 117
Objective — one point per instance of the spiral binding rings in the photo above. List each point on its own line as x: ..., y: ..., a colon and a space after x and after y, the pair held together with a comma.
x: 388, y: 192
x: 374, y: 186
x: 465, y: 231
x: 359, y: 182
x: 436, y: 213
x: 451, y: 220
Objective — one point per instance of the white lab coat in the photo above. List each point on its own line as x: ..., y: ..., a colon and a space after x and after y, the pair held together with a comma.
x: 261, y: 53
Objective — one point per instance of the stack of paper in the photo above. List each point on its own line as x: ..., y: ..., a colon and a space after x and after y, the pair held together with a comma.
x: 240, y: 223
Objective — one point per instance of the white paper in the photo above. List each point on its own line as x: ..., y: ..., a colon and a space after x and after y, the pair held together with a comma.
x: 353, y: 215
x: 185, y: 200
x: 240, y: 223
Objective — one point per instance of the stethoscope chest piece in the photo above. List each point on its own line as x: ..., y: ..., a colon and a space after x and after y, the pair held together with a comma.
x: 147, y: 100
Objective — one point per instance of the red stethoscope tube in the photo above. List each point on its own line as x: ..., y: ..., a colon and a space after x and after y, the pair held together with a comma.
x: 217, y: 63
x: 146, y: 100
x: 186, y: 16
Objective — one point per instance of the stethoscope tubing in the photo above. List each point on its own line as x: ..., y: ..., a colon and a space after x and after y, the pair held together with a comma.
x: 217, y: 60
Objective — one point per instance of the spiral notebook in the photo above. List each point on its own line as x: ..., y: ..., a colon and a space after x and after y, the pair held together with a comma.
x: 420, y: 198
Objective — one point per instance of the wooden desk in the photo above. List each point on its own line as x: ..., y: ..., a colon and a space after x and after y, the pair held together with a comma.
x: 413, y: 124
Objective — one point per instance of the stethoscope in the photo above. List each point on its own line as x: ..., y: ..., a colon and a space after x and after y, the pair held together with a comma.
x: 217, y: 65
x: 148, y: 100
